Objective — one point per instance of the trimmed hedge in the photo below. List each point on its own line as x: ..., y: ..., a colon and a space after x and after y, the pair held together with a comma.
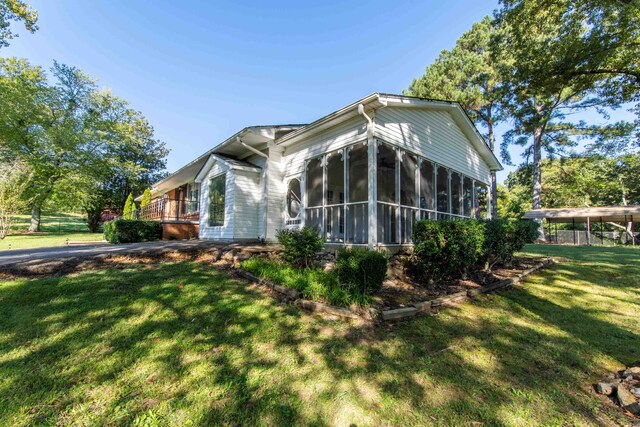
x: 451, y: 248
x: 361, y: 269
x: 300, y: 245
x: 131, y: 231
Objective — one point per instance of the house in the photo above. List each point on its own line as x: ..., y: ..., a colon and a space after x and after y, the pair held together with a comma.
x: 362, y: 175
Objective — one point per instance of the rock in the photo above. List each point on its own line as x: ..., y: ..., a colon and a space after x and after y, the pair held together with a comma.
x: 228, y: 256
x: 634, y: 408
x: 399, y: 313
x: 624, y: 396
x: 605, y: 388
x: 635, y: 391
x: 424, y: 306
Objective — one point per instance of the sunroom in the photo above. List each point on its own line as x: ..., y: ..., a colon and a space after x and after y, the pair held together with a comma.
x: 336, y: 195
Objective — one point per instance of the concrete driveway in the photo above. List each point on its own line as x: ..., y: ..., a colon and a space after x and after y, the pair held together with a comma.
x: 28, y: 255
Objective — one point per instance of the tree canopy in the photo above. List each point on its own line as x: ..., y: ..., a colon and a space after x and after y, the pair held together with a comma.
x: 15, y: 11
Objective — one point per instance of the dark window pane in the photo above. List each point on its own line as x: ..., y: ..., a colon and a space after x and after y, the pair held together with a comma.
x: 358, y: 174
x: 314, y: 182
x: 335, y: 179
x: 217, y: 187
x: 456, y: 193
x: 481, y: 200
x: 443, y: 189
x: 468, y: 197
x: 387, y: 225
x: 386, y: 165
x: 427, y: 192
x: 408, y: 180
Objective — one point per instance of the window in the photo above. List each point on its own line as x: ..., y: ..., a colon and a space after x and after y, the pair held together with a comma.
x: 427, y: 191
x: 408, y: 168
x: 358, y: 173
x: 443, y: 189
x: 194, y: 192
x: 294, y: 199
x: 217, y: 188
x: 467, y: 197
x: 335, y: 179
x: 456, y: 193
x: 386, y: 174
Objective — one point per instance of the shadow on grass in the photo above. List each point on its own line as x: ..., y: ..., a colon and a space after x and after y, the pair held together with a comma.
x: 183, y: 342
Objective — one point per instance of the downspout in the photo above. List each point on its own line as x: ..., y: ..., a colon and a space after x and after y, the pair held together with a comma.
x: 265, y: 185
x: 372, y: 229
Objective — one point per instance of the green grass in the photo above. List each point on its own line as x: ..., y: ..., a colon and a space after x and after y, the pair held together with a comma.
x: 314, y: 283
x: 184, y: 344
x: 55, y: 231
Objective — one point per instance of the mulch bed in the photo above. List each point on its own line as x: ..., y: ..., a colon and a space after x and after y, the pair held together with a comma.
x: 401, y: 290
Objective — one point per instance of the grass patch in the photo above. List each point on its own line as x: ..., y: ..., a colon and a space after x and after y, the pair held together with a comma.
x: 314, y: 283
x: 55, y: 231
x: 184, y: 344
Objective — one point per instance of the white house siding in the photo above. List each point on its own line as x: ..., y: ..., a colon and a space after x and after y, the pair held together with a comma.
x: 247, y: 194
x: 259, y: 161
x: 332, y: 139
x: 224, y: 232
x: 434, y: 135
x: 276, y: 191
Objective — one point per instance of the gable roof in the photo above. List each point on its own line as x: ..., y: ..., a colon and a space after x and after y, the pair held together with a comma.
x: 381, y: 100
x: 229, y: 162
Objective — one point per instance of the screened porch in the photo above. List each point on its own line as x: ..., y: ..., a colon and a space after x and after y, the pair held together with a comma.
x: 333, y: 195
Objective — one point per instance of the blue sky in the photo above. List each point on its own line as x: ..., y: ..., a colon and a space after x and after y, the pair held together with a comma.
x: 201, y: 71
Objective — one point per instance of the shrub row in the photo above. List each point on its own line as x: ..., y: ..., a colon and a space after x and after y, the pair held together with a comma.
x: 131, y: 231
x: 451, y: 248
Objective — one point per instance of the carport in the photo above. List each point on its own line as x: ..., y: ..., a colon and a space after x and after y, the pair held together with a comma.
x: 587, y: 222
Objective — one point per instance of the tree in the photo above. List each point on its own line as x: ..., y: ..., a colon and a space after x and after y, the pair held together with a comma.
x: 562, y: 58
x: 15, y: 10
x: 70, y: 132
x: 146, y: 198
x: 468, y: 74
x: 129, y: 207
x: 14, y: 178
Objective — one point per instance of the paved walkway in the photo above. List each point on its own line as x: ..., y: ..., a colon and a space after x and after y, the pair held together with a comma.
x: 27, y: 255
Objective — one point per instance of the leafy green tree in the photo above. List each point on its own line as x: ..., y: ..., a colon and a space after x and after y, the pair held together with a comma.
x: 146, y: 198
x: 69, y: 133
x: 561, y: 58
x: 129, y: 207
x: 15, y: 10
x: 468, y: 74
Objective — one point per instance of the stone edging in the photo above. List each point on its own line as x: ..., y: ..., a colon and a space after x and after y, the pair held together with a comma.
x: 295, y: 297
x: 428, y: 306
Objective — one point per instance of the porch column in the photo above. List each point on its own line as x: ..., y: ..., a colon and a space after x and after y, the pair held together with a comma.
x: 372, y: 151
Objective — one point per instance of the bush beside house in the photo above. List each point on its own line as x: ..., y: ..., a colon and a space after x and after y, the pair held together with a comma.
x: 361, y: 270
x: 131, y: 231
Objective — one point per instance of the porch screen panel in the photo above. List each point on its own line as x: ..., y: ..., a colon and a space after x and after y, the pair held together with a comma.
x: 481, y: 191
x: 386, y: 169
x: 387, y: 204
x: 334, y: 198
x: 456, y: 193
x: 217, y: 187
x: 427, y: 190
x: 314, y: 186
x: 408, y: 180
x: 442, y: 191
x: 357, y: 173
x: 358, y: 223
x: 467, y: 197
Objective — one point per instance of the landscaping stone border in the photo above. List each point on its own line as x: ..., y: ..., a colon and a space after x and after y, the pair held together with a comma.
x: 428, y: 306
x: 295, y: 297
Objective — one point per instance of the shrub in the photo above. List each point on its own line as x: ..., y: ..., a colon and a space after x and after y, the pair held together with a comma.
x: 314, y: 283
x: 131, y: 231
x: 446, y: 248
x: 300, y: 245
x: 504, y: 237
x: 361, y: 269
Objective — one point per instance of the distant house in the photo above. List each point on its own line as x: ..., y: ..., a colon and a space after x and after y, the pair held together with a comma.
x: 362, y: 175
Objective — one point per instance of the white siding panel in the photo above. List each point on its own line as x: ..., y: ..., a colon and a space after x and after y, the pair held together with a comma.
x: 224, y: 232
x: 247, y: 200
x: 432, y: 134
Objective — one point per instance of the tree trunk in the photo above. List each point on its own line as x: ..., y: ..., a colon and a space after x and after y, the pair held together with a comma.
x: 36, y: 211
x: 494, y: 183
x: 537, y: 169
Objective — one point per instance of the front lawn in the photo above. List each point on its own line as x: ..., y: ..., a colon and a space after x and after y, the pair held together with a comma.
x: 184, y: 344
x: 56, y: 230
